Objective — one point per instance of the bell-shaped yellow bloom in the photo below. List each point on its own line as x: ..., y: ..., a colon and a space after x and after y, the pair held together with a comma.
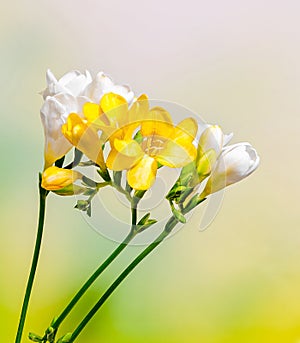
x: 54, y: 178
x: 113, y: 116
x: 85, y: 138
x: 162, y: 142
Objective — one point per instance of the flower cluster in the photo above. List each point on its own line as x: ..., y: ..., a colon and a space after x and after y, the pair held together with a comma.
x: 116, y: 132
x: 95, y: 114
x: 68, y: 95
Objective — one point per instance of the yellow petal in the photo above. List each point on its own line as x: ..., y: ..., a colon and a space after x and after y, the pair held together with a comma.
x: 176, y: 155
x: 84, y: 138
x: 91, y: 111
x: 115, y: 107
x: 128, y: 148
x: 157, y: 122
x: 117, y: 161
x: 54, y: 178
x: 143, y: 174
x: 139, y: 109
x: 156, y: 128
x: 185, y: 131
x: 124, y: 133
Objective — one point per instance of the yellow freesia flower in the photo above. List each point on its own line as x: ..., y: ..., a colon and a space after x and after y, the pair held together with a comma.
x: 162, y: 142
x: 54, y: 178
x: 113, y: 117
x: 85, y: 138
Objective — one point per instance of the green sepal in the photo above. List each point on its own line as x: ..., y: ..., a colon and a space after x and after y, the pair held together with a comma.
x: 145, y: 223
x: 188, y: 174
x: 178, y: 215
x: 139, y: 194
x: 66, y: 338
x: 175, y: 191
x: 195, y: 201
x: 85, y: 206
x: 82, y: 205
x: 70, y: 190
x: 35, y: 338
x: 149, y: 223
x: 104, y: 174
x: 144, y: 219
x: 181, y: 198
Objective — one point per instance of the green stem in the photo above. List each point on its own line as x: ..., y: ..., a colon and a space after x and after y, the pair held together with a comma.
x: 101, y: 269
x: 91, y: 280
x: 168, y: 228
x: 43, y: 195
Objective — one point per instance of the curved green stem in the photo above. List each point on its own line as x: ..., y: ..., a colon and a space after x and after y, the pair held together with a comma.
x: 168, y: 228
x: 99, y: 271
x: 91, y: 280
x: 43, y: 195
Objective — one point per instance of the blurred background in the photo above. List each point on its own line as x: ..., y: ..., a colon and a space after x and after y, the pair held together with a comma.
x: 234, y: 63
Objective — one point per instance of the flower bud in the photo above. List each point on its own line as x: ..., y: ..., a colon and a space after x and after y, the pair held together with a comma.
x: 84, y: 138
x: 55, y: 179
x: 234, y: 164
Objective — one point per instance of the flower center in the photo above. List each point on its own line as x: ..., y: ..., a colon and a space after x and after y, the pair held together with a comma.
x: 153, y: 145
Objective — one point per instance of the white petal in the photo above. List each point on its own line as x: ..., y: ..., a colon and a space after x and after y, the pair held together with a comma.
x: 227, y: 138
x: 212, y: 138
x: 103, y: 84
x: 73, y: 83
x: 54, y: 113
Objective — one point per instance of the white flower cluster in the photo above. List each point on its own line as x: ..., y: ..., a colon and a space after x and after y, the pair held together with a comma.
x: 67, y: 95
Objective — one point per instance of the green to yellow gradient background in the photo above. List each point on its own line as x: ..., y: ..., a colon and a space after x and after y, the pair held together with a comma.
x: 234, y: 62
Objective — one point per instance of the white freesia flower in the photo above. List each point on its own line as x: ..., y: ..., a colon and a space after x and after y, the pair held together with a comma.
x: 103, y: 84
x: 234, y: 164
x: 67, y: 95
x: 54, y: 114
x: 73, y: 83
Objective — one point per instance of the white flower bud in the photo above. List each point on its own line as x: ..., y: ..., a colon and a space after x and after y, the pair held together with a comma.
x: 234, y: 164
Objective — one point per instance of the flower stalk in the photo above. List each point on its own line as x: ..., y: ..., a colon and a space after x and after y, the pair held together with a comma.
x: 42, y: 195
x: 133, y: 232
x: 170, y: 225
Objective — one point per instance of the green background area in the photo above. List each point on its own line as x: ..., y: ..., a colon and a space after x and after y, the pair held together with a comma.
x: 236, y: 64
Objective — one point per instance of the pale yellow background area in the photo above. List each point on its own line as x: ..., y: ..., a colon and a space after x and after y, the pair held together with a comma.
x: 236, y: 63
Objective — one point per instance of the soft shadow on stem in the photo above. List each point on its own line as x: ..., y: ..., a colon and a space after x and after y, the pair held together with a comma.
x: 43, y: 194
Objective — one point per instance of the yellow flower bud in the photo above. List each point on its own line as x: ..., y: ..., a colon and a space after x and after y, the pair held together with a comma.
x: 54, y: 178
x: 84, y: 138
